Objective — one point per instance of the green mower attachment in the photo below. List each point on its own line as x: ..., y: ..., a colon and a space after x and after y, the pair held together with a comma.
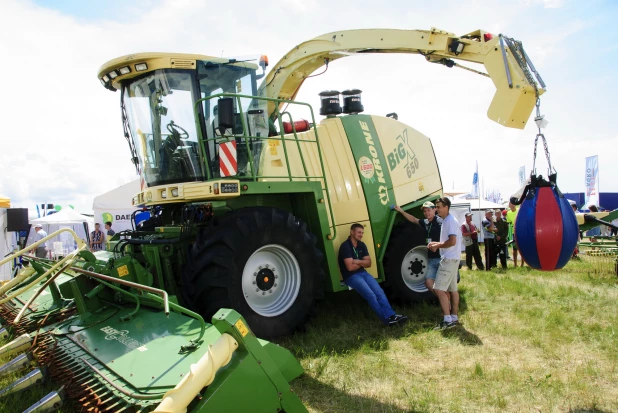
x: 116, y: 345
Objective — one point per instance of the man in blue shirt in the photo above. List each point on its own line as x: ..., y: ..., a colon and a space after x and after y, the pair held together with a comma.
x: 353, y: 259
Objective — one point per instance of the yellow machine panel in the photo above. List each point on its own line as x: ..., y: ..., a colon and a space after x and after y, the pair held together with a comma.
x: 410, y: 159
x: 344, y: 186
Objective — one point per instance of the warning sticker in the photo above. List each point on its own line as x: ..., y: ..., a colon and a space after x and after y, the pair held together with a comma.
x: 123, y: 271
x: 242, y: 328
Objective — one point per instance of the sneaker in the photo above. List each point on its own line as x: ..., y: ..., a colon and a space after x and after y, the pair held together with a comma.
x: 443, y: 325
x: 401, y: 319
x: 446, y: 324
x: 397, y: 319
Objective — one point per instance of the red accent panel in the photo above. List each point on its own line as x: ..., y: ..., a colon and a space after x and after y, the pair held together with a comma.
x: 548, y: 229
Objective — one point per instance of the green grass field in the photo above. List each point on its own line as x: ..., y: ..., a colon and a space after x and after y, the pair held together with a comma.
x: 531, y: 341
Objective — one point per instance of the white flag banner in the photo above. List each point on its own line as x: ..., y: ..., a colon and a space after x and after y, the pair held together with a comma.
x: 475, y: 183
x: 522, y: 176
x: 592, y: 181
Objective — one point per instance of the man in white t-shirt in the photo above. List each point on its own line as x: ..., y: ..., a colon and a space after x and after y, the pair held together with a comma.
x: 446, y: 279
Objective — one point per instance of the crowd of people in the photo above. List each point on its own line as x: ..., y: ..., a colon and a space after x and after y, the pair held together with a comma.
x: 97, y: 239
x: 498, y: 228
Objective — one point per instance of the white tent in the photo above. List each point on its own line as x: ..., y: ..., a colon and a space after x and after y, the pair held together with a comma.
x: 65, y: 218
x: 478, y: 208
x: 115, y: 206
x: 6, y: 238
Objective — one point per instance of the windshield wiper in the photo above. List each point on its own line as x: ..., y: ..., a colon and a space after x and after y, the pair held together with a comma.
x: 229, y: 62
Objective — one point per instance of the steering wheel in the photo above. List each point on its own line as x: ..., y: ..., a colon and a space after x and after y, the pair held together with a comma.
x: 177, y: 131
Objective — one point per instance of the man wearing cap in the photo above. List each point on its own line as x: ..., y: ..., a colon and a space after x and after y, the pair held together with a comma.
x: 431, y: 226
x: 41, y: 250
x: 502, y: 234
x: 471, y: 241
x: 489, y: 234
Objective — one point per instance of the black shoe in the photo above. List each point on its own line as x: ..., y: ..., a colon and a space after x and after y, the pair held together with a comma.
x: 454, y: 323
x: 401, y: 319
x: 442, y: 325
x: 397, y: 319
x: 446, y: 324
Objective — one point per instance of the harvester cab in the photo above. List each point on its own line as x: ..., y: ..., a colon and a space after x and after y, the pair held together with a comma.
x: 248, y: 207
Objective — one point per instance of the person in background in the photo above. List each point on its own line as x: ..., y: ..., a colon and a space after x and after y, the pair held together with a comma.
x: 502, y: 234
x: 605, y: 230
x: 353, y: 260
x: 446, y: 280
x: 508, y: 237
x: 596, y: 231
x: 576, y: 250
x: 615, y: 223
x: 39, y: 234
x: 511, y: 216
x: 489, y: 234
x: 431, y: 226
x: 110, y: 231
x: 97, y: 238
x: 471, y: 241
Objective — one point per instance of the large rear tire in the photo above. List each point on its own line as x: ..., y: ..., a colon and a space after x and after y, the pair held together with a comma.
x: 261, y: 262
x: 406, y: 263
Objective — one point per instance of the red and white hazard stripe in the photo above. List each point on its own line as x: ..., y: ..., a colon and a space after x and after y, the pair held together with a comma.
x: 227, y: 159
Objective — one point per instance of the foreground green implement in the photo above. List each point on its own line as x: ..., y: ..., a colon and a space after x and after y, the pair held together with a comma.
x: 115, y: 345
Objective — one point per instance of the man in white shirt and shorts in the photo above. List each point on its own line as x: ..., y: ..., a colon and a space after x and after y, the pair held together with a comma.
x: 446, y: 279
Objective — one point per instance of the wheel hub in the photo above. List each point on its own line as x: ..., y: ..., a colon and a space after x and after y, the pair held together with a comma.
x: 265, y: 279
x: 416, y: 267
x: 271, y: 280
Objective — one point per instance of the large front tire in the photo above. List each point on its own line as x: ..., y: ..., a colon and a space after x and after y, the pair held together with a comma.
x: 261, y: 262
x: 406, y: 264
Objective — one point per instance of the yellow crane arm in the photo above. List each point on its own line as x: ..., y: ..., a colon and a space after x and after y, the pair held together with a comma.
x: 504, y: 59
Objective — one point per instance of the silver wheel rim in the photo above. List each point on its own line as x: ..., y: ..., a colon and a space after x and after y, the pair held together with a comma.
x: 414, y: 269
x: 271, y: 280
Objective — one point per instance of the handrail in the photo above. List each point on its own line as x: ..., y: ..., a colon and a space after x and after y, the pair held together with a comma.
x: 72, y: 256
x: 21, y: 252
x: 254, y: 175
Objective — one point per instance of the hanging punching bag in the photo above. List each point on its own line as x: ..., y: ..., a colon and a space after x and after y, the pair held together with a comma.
x: 546, y: 229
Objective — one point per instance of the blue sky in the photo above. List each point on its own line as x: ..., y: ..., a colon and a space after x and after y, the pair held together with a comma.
x: 76, y: 150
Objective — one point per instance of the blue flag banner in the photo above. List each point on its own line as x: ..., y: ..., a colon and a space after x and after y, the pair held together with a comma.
x: 475, y: 183
x: 522, y: 176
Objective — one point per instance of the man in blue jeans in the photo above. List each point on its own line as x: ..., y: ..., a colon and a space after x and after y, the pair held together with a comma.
x: 353, y: 259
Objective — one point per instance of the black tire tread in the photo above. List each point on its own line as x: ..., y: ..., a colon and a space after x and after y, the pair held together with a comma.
x: 216, y: 261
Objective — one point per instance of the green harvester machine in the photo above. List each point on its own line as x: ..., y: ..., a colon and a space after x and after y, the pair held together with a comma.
x: 247, y: 209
